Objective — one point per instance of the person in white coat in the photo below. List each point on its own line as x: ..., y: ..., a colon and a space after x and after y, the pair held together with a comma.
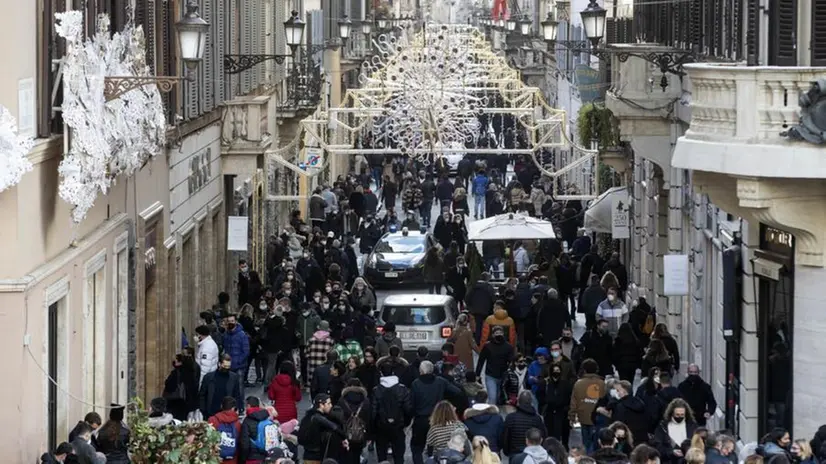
x: 207, y: 355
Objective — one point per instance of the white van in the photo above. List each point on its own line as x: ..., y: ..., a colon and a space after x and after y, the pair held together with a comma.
x: 421, y: 319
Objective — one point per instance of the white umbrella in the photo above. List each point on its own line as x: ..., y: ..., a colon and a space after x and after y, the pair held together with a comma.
x: 598, y: 214
x: 511, y: 226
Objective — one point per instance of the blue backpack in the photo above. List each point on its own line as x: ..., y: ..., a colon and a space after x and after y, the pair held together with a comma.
x: 229, y: 438
x: 267, y: 437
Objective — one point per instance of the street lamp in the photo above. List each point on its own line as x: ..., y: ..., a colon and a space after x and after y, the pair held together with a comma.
x: 550, y: 28
x: 294, y: 31
x: 191, y: 31
x: 367, y: 26
x: 511, y: 24
x: 593, y: 20
x: 345, y: 26
x: 501, y: 23
x: 381, y: 23
x: 525, y: 26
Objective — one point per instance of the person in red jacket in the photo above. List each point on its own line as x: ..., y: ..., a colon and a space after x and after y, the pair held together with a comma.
x: 285, y: 392
x: 227, y: 416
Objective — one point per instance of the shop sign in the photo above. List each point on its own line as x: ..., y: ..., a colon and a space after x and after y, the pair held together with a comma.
x: 150, y: 259
x: 200, y: 170
x: 620, y: 215
x: 777, y: 241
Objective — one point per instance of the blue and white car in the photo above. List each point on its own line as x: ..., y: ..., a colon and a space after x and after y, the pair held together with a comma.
x: 398, y: 259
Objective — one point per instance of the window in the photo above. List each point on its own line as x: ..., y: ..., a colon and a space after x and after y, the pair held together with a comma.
x: 50, y: 49
x: 818, y: 33
x: 413, y: 315
x: 53, y: 343
x: 120, y: 383
x: 783, y: 33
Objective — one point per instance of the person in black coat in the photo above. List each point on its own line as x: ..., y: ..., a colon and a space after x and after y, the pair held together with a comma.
x: 677, y: 414
x: 390, y: 397
x: 627, y: 353
x: 183, y: 372
x: 566, y: 281
x: 354, y: 401
x: 598, y: 345
x: 591, y: 263
x: 519, y: 422
x: 606, y: 453
x: 618, y: 269
x: 629, y: 410
x: 637, y: 319
x: 319, y: 433
x: 661, y: 334
x: 590, y: 299
x: 557, y: 403
x: 389, y: 193
x: 479, y: 301
x: 425, y: 393
x: 456, y: 279
x: 368, y: 373
x: 697, y: 393
x: 249, y: 431
x: 552, y: 318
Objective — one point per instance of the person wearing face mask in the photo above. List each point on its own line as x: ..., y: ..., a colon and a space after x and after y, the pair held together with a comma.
x: 597, y: 344
x: 697, y: 392
x: 629, y: 410
x: 586, y: 393
x: 557, y: 402
x: 613, y: 310
x: 625, y: 439
x: 496, y: 356
x: 443, y: 230
x: 237, y: 346
x: 410, y: 222
x: 369, y: 234
x: 275, y: 340
x: 571, y: 348
x: 308, y: 320
x: 361, y: 295
x: 244, y: 290
x: 207, y: 353
x: 607, y: 452
x: 83, y: 450
x: 387, y: 339
x: 677, y: 426
x: 558, y: 359
x: 218, y: 385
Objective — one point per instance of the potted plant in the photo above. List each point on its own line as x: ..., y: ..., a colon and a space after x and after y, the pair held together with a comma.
x: 189, y: 442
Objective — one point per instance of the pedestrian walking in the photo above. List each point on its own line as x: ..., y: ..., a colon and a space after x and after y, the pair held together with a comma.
x: 317, y: 348
x: 519, y: 423
x: 218, y: 385
x: 285, y: 392
x: 443, y: 424
x: 496, y: 356
x: 586, y: 392
x: 426, y: 391
x: 392, y: 411
x: 319, y: 434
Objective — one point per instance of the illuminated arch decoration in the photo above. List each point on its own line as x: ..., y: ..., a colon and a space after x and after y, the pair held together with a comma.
x: 445, y: 91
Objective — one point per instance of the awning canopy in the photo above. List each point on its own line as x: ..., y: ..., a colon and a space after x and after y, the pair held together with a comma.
x: 598, y: 214
x: 511, y: 226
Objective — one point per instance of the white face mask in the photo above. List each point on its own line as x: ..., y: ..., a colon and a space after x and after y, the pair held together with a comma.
x: 328, y: 289
x: 263, y: 306
x: 611, y: 298
x: 614, y: 394
x: 290, y: 277
x: 360, y: 287
x: 288, y: 292
x: 245, y: 269
x: 325, y: 305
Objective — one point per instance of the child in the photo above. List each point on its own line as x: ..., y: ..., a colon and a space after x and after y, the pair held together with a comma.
x: 227, y: 424
x: 472, y: 386
x: 448, y: 356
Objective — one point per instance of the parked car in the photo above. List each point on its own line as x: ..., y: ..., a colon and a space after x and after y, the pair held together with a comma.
x: 398, y: 258
x: 420, y: 319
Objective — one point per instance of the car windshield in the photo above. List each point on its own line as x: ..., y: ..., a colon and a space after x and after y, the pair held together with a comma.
x: 401, y: 244
x: 413, y: 315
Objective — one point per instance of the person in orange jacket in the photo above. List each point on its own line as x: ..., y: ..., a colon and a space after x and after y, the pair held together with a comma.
x: 499, y: 318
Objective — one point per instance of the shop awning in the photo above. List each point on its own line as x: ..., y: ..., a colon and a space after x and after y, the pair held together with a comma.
x: 598, y: 214
x: 511, y: 226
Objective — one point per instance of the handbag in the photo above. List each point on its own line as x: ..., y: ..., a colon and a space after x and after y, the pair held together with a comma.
x: 179, y: 393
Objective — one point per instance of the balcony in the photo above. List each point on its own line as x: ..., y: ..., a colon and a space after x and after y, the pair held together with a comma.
x: 737, y: 115
x: 300, y: 92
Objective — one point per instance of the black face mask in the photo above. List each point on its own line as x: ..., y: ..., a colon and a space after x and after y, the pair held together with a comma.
x: 679, y: 419
x: 567, y: 339
x: 499, y: 338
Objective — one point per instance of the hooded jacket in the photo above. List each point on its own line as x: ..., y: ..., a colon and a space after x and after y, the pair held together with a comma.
x: 609, y: 456
x: 284, y: 395
x: 499, y: 318
x: 517, y: 425
x: 354, y: 400
x: 387, y: 340
x: 537, y: 371
x: 227, y: 417
x: 237, y: 345
x: 485, y: 420
x: 587, y: 391
x: 207, y: 356
x: 317, y: 349
x: 480, y: 298
x: 533, y: 454
x: 389, y: 385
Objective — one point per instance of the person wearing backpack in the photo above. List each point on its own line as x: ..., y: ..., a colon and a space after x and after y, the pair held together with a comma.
x: 227, y: 424
x: 319, y: 433
x: 259, y: 435
x: 354, y: 411
x: 392, y: 411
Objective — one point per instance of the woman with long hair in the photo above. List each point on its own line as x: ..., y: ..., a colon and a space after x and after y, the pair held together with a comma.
x: 556, y: 450
x: 464, y: 344
x: 113, y: 438
x: 657, y: 356
x: 482, y: 453
x: 361, y: 295
x: 627, y: 352
x: 625, y: 439
x: 443, y: 423
x: 677, y: 426
x: 285, y: 392
x: 434, y: 271
x: 801, y: 452
x: 661, y: 333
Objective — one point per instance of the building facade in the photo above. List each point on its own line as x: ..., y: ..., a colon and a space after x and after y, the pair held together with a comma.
x: 711, y: 177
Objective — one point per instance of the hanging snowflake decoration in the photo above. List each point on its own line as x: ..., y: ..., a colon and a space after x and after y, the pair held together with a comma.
x: 108, y: 138
x: 432, y: 92
x: 13, y: 151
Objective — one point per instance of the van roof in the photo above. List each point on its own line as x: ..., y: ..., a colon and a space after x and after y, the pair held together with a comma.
x: 416, y: 299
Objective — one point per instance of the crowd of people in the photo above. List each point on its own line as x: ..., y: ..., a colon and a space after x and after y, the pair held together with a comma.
x: 512, y: 381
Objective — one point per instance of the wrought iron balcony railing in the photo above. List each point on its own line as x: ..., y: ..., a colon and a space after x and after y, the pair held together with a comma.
x: 301, y: 89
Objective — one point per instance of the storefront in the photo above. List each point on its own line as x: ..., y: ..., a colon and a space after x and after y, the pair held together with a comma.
x: 774, y: 281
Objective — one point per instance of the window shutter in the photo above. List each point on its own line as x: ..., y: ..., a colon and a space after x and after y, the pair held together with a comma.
x: 783, y: 33
x: 818, y: 44
x: 611, y: 31
x: 145, y: 18
x: 208, y: 86
x: 219, y: 50
x: 753, y: 31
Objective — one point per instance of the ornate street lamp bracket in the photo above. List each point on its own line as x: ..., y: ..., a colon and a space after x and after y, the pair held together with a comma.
x: 115, y: 86
x: 234, y: 64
